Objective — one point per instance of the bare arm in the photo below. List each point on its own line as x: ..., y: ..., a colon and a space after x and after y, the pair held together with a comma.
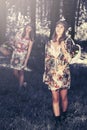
x: 28, y: 53
x: 67, y: 57
x: 66, y: 53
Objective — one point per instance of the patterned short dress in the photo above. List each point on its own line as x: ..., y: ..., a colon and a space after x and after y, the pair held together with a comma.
x: 57, y: 72
x: 19, y: 53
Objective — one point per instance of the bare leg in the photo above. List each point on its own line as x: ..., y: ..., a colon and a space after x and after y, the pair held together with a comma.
x: 21, y: 77
x: 16, y: 73
x: 55, y: 98
x: 64, y: 98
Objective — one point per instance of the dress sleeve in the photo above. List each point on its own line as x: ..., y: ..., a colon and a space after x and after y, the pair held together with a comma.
x: 47, y: 55
x: 66, y: 54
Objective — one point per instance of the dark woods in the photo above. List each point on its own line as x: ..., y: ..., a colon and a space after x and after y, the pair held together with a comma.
x: 47, y: 12
x: 31, y: 109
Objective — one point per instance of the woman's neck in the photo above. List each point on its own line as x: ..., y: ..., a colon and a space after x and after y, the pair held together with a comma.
x: 27, y: 35
x: 58, y: 38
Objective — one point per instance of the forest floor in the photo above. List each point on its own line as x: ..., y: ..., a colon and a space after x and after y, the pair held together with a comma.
x: 31, y: 108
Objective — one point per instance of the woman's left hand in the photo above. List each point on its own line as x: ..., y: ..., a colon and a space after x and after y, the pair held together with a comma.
x: 25, y: 64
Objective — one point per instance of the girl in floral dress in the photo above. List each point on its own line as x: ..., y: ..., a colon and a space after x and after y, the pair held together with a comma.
x: 21, y: 53
x: 58, y: 55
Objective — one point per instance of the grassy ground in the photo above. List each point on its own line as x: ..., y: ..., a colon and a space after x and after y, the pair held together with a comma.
x: 30, y: 108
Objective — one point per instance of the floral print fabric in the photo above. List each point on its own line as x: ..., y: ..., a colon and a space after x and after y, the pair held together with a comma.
x: 57, y: 73
x: 19, y: 53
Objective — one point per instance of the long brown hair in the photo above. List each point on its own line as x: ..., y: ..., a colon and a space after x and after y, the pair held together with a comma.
x: 31, y: 34
x: 63, y: 37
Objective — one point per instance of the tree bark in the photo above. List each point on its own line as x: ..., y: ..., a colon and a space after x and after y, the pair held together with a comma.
x: 2, y: 21
x: 54, y: 15
x: 33, y: 14
x: 69, y: 10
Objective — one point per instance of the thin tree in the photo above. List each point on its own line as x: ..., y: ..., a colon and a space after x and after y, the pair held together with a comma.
x: 33, y: 14
x: 2, y: 20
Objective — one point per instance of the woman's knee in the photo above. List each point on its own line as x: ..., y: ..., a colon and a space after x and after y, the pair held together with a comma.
x: 64, y: 98
x: 55, y: 97
x: 21, y: 72
x: 63, y: 95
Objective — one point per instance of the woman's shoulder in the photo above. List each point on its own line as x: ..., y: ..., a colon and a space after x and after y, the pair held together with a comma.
x: 49, y: 43
x: 18, y: 35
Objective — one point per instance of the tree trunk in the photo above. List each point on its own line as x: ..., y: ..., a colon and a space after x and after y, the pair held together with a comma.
x: 69, y: 10
x: 2, y: 21
x: 54, y: 15
x: 33, y: 14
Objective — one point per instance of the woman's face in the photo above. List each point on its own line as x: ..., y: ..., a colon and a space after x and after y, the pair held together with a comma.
x: 28, y: 28
x: 59, y: 30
